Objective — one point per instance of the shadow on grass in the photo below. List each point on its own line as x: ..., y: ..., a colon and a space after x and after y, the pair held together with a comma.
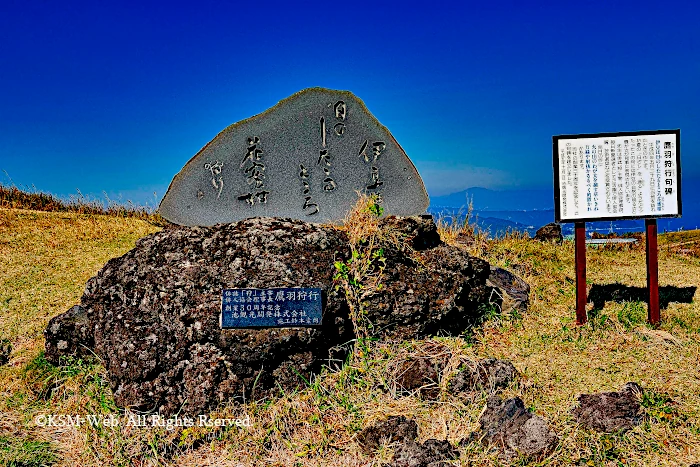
x: 599, y: 294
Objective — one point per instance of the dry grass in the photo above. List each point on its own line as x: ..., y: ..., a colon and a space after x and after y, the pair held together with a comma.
x: 361, y: 274
x: 45, y: 259
x: 682, y: 243
x: 561, y: 360
x: 362, y: 222
x: 15, y: 198
x: 464, y: 233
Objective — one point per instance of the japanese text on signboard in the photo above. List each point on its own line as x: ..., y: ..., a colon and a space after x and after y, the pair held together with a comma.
x: 620, y: 176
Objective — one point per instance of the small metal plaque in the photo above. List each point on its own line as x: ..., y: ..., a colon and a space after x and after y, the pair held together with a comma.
x: 274, y: 308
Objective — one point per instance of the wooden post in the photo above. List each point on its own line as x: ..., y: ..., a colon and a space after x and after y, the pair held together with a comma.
x: 580, y: 249
x: 652, y: 271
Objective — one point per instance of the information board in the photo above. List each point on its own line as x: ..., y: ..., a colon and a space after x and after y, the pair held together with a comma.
x: 617, y: 176
x: 276, y: 307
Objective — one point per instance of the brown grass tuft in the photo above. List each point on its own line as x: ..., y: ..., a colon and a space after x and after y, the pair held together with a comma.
x: 14, y: 198
x: 465, y: 234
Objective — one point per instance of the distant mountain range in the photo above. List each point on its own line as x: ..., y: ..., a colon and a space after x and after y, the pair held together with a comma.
x: 491, y: 200
x: 526, y: 210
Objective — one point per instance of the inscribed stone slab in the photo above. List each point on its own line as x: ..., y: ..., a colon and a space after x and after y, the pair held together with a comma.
x: 305, y: 158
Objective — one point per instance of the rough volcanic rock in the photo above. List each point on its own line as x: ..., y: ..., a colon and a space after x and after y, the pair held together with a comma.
x: 550, y: 233
x: 610, y: 411
x: 152, y: 315
x: 420, y: 232
x: 422, y: 374
x: 443, y: 293
x: 396, y: 428
x: 419, y: 369
x: 514, y: 287
x: 508, y: 425
x: 69, y: 334
x: 402, y: 432
x: 432, y: 453
x: 489, y: 374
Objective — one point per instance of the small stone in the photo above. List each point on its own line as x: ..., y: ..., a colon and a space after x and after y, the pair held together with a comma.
x: 402, y: 432
x: 432, y: 453
x: 489, y: 374
x: 513, y: 286
x: 422, y: 374
x: 508, y: 425
x: 610, y: 412
x: 419, y: 231
x: 393, y: 429
x: 69, y: 334
x: 550, y: 233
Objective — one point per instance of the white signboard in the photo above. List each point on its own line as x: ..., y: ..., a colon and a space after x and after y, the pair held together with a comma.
x: 617, y: 176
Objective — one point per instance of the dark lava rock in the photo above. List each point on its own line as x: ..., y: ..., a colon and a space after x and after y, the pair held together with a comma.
x: 508, y: 425
x: 152, y: 315
x: 550, y: 233
x: 420, y: 232
x: 442, y: 294
x: 5, y: 351
x: 422, y: 374
x: 489, y: 374
x: 408, y: 453
x: 69, y: 334
x: 393, y: 429
x: 432, y: 453
x: 609, y: 412
x: 516, y: 288
x: 418, y: 373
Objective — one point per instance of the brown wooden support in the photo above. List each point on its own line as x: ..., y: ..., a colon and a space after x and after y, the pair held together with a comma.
x: 581, y: 292
x: 652, y: 271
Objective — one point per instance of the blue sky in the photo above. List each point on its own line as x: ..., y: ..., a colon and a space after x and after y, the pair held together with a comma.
x: 117, y: 96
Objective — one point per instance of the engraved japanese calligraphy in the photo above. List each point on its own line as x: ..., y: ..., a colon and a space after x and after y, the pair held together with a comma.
x: 307, y: 157
x: 216, y: 179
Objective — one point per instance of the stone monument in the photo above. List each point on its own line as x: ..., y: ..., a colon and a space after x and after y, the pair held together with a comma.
x: 243, y: 298
x: 152, y: 316
x: 306, y: 158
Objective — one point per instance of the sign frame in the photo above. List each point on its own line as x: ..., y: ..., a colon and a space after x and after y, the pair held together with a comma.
x: 557, y: 186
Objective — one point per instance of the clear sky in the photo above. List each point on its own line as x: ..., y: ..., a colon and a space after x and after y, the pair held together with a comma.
x: 117, y: 96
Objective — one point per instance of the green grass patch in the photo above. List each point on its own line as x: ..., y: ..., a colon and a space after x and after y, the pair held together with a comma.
x: 632, y: 314
x: 16, y: 452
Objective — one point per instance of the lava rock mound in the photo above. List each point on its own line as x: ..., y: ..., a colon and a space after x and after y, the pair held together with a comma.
x: 152, y: 315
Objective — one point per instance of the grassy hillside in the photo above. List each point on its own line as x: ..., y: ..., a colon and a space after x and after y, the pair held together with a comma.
x: 46, y: 258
